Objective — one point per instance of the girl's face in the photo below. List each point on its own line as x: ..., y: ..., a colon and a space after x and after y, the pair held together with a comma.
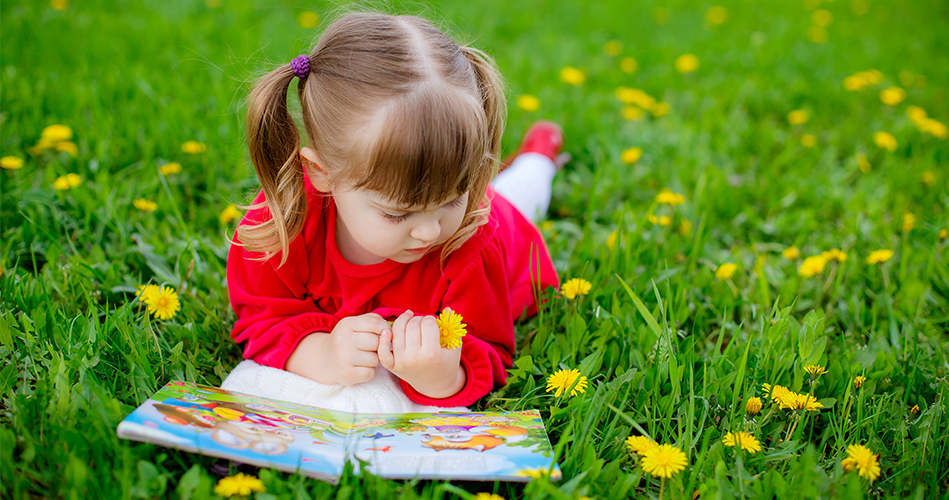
x: 372, y: 228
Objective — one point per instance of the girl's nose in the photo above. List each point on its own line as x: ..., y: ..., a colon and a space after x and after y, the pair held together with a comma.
x: 427, y: 231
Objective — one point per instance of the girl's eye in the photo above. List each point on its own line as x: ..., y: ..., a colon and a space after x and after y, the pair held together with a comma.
x: 461, y: 200
x: 395, y: 219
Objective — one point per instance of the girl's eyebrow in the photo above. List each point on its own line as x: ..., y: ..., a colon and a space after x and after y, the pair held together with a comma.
x: 411, y: 209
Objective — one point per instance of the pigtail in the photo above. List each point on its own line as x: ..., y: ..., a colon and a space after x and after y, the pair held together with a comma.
x: 491, y: 87
x: 274, y: 144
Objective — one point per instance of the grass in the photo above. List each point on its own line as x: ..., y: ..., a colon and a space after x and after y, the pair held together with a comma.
x: 671, y: 351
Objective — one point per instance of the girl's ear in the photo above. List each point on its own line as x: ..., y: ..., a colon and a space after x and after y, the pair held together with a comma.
x: 317, y: 174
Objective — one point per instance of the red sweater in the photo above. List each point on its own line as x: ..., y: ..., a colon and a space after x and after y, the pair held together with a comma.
x: 487, y: 280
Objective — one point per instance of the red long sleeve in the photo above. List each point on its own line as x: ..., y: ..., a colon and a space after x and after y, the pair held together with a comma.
x: 489, y: 281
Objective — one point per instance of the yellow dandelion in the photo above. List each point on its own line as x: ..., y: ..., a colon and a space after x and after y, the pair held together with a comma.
x: 613, y: 48
x: 864, y: 461
x: 862, y: 163
x: 572, y: 76
x: 858, y: 381
x: 687, y: 63
x: 163, y: 304
x: 933, y: 127
x: 228, y: 214
x: 450, y: 329
x: 879, y: 256
x: 574, y: 287
x: 528, y: 102
x: 67, y: 181
x: 632, y: 113
x: 817, y: 34
x: 812, y: 265
x: 914, y: 410
x: 795, y: 401
x: 943, y: 234
x: 885, y: 140
x: 916, y: 114
x: 668, y: 197
x: 822, y: 18
x: 146, y: 293
x: 798, y: 117
x: 631, y: 155
x: 611, y: 240
x: 56, y: 133
x: 909, y: 222
x: 716, y: 15
x: 239, y: 484
x: 753, y: 407
x: 660, y: 109
x: 791, y: 253
x: 59, y: 4
x: 11, y: 162
x: 628, y: 65
x: 725, y: 271
x: 565, y: 380
x: 834, y: 254
x: 854, y: 83
x: 170, y: 168
x: 775, y: 393
x: 68, y: 147
x: 145, y: 205
x: 685, y: 228
x: 640, y: 444
x: 308, y: 19
x: 664, y: 460
x: 488, y: 496
x: 635, y: 96
x: 892, y: 96
x: 815, y: 370
x: 742, y: 440
x: 808, y: 140
x: 929, y: 178
x: 663, y: 221
x: 193, y: 147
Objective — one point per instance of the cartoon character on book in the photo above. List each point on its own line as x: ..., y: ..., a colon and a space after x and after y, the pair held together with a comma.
x: 477, y: 438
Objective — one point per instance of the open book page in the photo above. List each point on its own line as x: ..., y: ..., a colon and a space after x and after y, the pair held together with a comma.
x: 249, y: 429
x: 511, y: 446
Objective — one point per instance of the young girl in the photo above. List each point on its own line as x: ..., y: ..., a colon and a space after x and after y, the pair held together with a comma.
x: 385, y: 219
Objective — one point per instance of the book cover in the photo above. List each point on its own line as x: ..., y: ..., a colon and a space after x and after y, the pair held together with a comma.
x: 488, y: 446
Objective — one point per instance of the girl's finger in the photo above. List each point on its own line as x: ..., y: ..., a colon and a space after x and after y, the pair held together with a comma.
x: 385, y: 355
x: 367, y: 359
x: 429, y: 336
x: 365, y: 341
x: 413, y: 334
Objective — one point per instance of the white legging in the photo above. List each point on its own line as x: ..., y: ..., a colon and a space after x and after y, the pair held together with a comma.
x: 527, y: 184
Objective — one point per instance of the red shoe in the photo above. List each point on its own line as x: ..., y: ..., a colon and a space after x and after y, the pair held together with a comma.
x: 542, y: 137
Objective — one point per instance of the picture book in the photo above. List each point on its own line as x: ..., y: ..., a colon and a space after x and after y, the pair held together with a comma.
x: 506, y: 445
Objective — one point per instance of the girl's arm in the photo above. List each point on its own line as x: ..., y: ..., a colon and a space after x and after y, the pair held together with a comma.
x: 273, y: 310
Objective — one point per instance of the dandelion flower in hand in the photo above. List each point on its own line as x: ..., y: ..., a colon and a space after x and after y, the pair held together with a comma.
x: 239, y: 484
x: 742, y: 440
x: 574, y: 287
x: 664, y: 460
x: 564, y: 380
x: 163, y: 304
x: 640, y: 444
x: 450, y: 329
x: 866, y: 463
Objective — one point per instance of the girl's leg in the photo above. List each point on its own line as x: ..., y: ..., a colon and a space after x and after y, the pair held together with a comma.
x: 527, y: 182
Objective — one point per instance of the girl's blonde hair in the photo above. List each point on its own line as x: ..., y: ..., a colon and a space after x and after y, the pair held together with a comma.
x: 391, y: 104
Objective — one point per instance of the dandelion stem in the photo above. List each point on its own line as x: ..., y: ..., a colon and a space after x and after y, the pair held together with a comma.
x: 662, y: 487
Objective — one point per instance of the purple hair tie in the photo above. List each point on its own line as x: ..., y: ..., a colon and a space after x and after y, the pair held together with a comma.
x: 300, y: 65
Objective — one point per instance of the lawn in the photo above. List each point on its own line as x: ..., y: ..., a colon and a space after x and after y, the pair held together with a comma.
x: 797, y: 140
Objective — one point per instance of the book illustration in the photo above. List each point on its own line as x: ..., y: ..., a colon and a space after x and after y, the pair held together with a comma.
x: 319, y: 442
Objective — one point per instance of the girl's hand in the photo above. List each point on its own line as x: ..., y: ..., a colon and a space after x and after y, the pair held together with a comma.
x: 418, y: 358
x: 346, y: 356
